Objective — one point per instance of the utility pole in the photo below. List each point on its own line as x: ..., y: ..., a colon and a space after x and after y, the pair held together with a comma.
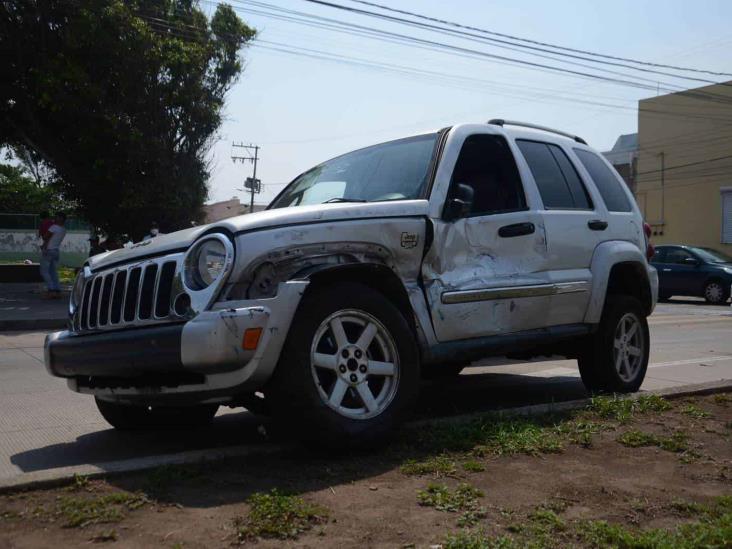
x: 252, y: 183
x: 663, y: 191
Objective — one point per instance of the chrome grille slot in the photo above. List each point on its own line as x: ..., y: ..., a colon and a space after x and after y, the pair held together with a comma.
x: 147, y: 292
x: 129, y: 295
x: 118, y: 297
x: 104, y: 301
x: 165, y: 289
x: 94, y: 302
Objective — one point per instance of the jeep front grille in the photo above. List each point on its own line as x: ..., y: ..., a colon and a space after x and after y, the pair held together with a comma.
x: 130, y: 295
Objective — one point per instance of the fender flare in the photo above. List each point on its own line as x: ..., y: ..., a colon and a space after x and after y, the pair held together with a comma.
x: 605, y: 257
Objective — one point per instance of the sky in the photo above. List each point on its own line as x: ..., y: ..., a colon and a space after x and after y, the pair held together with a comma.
x: 303, y: 110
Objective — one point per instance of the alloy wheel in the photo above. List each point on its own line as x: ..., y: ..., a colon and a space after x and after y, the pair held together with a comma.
x: 628, y: 347
x: 355, y: 364
x: 714, y: 292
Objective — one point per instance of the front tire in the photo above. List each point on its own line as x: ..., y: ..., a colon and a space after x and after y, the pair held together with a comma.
x: 715, y: 293
x: 615, y: 358
x: 349, y: 370
x: 136, y: 417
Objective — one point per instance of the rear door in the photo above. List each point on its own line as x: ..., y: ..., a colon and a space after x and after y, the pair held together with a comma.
x: 622, y: 219
x: 571, y: 221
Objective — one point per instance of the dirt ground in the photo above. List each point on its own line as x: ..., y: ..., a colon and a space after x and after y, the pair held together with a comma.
x: 623, y: 473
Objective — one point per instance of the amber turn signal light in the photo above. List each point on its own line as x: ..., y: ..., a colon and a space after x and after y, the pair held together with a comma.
x: 251, y: 338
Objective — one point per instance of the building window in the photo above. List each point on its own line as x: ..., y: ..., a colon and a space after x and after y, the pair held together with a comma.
x: 726, y: 215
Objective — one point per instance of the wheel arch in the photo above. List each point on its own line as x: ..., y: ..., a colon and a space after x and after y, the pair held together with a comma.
x: 619, y: 267
x: 374, y: 275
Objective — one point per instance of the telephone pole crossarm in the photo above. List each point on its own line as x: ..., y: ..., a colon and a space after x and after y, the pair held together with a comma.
x: 253, y: 158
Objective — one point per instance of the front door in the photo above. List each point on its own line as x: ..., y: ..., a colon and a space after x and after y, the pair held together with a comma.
x: 681, y: 273
x: 485, y: 272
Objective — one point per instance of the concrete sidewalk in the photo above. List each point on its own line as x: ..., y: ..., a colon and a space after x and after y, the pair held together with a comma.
x: 22, y: 307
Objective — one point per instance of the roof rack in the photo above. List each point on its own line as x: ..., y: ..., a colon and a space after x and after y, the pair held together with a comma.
x: 501, y: 122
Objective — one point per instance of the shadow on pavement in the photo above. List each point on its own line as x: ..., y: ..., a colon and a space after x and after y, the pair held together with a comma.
x: 463, y: 394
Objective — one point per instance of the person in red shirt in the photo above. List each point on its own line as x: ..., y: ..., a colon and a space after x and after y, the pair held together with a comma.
x: 46, y: 222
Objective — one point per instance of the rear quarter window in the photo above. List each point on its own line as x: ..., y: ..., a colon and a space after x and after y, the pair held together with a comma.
x: 606, y: 181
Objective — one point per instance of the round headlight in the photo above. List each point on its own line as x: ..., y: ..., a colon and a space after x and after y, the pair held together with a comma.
x: 205, y: 264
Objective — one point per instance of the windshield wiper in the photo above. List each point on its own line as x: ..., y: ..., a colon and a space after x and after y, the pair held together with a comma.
x: 339, y: 199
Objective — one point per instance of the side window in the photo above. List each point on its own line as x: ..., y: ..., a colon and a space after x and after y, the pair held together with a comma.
x: 487, y: 165
x: 607, y: 182
x: 659, y: 256
x: 559, y: 185
x: 677, y: 256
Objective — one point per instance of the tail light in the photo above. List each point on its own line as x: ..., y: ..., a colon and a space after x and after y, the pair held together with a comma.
x: 650, y: 250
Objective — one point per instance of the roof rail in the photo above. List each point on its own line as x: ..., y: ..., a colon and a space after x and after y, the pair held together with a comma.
x: 501, y: 122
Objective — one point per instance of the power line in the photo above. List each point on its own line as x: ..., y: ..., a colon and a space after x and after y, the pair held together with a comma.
x: 529, y: 41
x: 510, y: 45
x: 467, y: 52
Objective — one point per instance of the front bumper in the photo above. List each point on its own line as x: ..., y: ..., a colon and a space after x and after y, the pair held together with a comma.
x: 201, y: 360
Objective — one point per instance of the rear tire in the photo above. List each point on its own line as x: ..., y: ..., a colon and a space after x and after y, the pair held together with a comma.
x: 715, y: 293
x: 615, y: 358
x: 129, y: 417
x: 349, y: 370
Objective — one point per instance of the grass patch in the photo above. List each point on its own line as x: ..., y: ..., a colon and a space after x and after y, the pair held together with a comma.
x: 722, y: 399
x: 543, y: 528
x: 477, y: 539
x: 79, y: 512
x: 623, y: 409
x: 279, y: 516
x: 464, y: 500
x: 473, y: 466
x: 66, y: 275
x: 436, y: 466
x: 635, y: 439
x: 694, y: 411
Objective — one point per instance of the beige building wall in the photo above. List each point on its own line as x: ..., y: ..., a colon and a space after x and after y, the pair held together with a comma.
x: 683, y: 140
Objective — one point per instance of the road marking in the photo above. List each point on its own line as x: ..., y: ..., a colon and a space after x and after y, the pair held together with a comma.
x: 686, y: 320
x: 716, y: 358
x: 573, y: 372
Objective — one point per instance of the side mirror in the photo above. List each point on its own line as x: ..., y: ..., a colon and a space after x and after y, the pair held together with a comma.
x: 459, y: 205
x: 691, y: 261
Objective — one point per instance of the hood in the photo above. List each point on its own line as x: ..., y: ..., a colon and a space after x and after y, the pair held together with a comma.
x: 298, y: 215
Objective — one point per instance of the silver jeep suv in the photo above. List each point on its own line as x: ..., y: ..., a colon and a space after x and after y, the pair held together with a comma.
x: 406, y: 259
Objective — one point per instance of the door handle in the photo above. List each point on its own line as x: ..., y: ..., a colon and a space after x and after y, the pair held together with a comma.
x: 666, y: 270
x: 517, y: 229
x: 597, y: 225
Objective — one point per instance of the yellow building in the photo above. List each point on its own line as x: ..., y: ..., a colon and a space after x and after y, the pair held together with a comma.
x: 684, y: 177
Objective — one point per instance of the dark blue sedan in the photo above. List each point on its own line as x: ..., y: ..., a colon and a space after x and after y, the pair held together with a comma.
x: 693, y: 271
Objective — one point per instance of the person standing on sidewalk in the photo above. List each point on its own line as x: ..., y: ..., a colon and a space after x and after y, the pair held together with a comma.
x: 50, y: 251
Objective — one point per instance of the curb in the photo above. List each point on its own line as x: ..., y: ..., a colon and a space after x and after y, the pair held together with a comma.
x: 56, y: 477
x: 33, y: 324
x: 699, y: 389
x: 62, y: 475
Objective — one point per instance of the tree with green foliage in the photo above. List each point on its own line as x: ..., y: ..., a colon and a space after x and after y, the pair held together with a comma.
x: 121, y: 99
x: 20, y: 193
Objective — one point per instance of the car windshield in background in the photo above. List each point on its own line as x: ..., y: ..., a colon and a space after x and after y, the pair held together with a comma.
x: 711, y: 256
x: 397, y: 170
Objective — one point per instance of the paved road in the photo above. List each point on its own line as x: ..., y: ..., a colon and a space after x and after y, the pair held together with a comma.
x: 43, y: 426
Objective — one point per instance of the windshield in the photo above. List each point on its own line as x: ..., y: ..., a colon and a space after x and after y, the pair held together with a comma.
x: 711, y: 256
x: 397, y: 170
